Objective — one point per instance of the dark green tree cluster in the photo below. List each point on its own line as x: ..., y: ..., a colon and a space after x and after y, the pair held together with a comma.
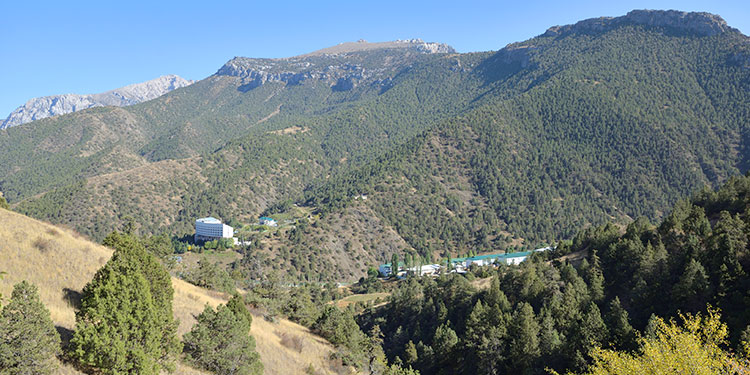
x: 532, y: 316
x: 220, y: 341
x: 29, y: 342
x: 125, y: 324
x: 552, y: 314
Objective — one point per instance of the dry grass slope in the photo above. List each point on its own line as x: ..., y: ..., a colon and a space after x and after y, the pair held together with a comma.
x: 61, y: 262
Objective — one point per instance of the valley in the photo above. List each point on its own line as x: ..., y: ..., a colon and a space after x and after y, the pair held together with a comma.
x: 581, y: 199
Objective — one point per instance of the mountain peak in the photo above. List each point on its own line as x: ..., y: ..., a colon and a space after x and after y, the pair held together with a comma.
x: 47, y: 106
x: 362, y: 45
x: 699, y: 23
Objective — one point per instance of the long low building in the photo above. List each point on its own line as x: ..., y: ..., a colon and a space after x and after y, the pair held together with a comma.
x: 461, y: 264
x: 490, y: 259
x: 209, y: 229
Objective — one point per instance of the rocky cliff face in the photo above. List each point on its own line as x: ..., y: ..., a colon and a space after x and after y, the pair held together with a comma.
x: 39, y: 108
x: 698, y: 23
x: 342, y: 67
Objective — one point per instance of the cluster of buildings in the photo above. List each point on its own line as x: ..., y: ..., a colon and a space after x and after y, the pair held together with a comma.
x: 459, y: 265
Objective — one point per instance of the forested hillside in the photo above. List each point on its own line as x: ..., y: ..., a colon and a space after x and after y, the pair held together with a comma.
x: 548, y: 313
x: 607, y: 119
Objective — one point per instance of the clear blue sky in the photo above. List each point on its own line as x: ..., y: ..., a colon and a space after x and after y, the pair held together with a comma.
x: 56, y: 47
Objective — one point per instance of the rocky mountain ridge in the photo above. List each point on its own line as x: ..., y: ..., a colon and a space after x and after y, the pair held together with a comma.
x: 699, y: 23
x: 342, y: 66
x: 47, y: 106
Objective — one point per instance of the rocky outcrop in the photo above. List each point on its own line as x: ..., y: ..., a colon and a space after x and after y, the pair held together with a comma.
x: 698, y: 23
x: 47, y: 106
x: 343, y: 67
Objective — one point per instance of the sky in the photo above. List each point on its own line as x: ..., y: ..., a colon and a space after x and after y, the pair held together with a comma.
x: 82, y: 47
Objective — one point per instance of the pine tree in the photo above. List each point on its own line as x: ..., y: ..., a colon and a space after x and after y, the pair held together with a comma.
x: 524, y: 335
x: 444, y: 341
x: 621, y: 333
x: 691, y: 288
x: 125, y: 324
x: 595, y: 278
x: 28, y: 339
x: 410, y: 354
x: 220, y: 342
x: 550, y: 339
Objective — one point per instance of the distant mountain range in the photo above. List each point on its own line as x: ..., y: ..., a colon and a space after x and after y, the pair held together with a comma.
x: 47, y: 106
x: 604, y: 120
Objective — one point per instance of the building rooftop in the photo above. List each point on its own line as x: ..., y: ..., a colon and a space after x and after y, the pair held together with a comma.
x: 209, y: 220
x: 490, y: 256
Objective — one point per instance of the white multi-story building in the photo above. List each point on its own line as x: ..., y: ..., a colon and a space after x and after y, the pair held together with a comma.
x: 209, y: 228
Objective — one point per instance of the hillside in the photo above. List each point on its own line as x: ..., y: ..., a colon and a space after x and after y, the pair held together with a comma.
x: 60, y: 263
x: 606, y: 119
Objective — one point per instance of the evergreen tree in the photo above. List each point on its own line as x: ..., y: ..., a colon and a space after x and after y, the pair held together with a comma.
x: 238, y: 307
x: 220, y: 342
x: 524, y: 336
x: 410, y: 353
x: 339, y: 327
x: 28, y: 339
x: 550, y: 339
x: 621, y: 333
x: 692, y: 286
x: 125, y: 324
x: 592, y: 331
x: 3, y: 203
x: 595, y: 278
x: 444, y: 341
x: 160, y: 286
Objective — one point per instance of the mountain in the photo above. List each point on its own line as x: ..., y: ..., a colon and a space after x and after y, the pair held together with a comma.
x: 60, y: 263
x: 47, y: 106
x: 605, y: 120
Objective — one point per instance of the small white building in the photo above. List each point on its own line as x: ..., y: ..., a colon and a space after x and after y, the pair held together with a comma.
x: 515, y: 260
x: 209, y: 229
x: 268, y: 221
x: 425, y: 270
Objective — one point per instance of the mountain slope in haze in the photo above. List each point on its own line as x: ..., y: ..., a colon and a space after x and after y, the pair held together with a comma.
x: 247, y: 97
x: 60, y: 263
x: 47, y: 106
x: 607, y: 119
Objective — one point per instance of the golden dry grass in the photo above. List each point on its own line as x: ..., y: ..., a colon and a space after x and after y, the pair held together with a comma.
x: 57, y: 260
x: 353, y: 299
x: 483, y: 283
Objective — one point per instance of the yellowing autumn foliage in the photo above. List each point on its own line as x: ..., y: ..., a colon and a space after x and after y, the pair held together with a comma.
x: 695, y: 347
